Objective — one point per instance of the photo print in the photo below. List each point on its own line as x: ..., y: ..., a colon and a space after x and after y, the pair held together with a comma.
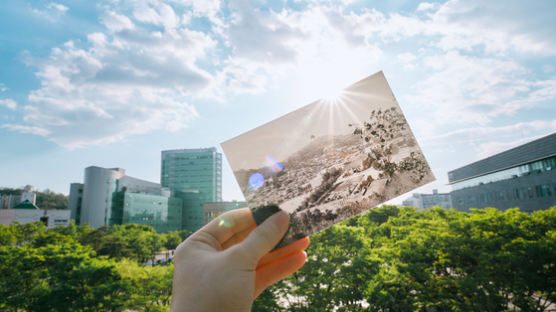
x: 329, y: 160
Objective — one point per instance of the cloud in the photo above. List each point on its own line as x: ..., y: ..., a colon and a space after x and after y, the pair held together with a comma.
x: 26, y: 129
x: 9, y: 103
x: 425, y: 6
x: 155, y: 58
x: 473, y: 135
x: 3, y: 87
x: 130, y: 80
x: 57, y: 6
x: 463, y: 89
x: 52, y: 11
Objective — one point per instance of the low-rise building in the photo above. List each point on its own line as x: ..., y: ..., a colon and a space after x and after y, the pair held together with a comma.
x: 424, y: 201
x: 27, y: 212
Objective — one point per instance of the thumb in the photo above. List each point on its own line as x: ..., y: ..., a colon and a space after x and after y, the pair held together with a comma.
x: 265, y: 237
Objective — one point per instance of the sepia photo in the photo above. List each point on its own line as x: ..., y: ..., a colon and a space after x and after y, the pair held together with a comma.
x: 329, y: 160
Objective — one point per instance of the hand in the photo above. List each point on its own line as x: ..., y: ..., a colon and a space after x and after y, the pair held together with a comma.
x: 225, y: 265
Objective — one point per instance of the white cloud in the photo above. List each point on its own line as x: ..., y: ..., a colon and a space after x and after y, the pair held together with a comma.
x: 9, y: 103
x: 464, y: 89
x: 3, y: 87
x: 57, y: 6
x: 130, y: 81
x: 474, y: 135
x: 117, y: 22
x: 26, y: 129
x: 151, y: 62
x: 52, y: 11
x: 425, y: 6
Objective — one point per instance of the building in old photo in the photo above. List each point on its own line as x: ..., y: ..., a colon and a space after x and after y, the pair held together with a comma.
x: 524, y: 177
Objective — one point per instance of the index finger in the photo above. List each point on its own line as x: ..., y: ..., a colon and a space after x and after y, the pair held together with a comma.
x: 228, y: 224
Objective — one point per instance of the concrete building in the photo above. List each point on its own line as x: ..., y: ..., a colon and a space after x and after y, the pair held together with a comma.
x: 424, y: 201
x: 98, y: 189
x: 213, y: 210
x: 524, y: 177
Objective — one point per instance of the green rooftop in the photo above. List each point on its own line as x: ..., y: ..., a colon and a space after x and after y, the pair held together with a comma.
x: 26, y: 204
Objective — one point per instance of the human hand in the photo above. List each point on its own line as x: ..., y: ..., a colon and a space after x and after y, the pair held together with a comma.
x: 225, y: 265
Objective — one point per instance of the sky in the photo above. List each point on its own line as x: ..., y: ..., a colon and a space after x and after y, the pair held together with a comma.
x: 113, y: 83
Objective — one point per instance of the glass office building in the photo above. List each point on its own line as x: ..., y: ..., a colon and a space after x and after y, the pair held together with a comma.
x: 163, y: 213
x: 195, y: 176
x: 523, y: 177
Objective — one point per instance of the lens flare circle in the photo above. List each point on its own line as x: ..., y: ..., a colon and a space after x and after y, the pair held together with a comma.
x: 256, y: 180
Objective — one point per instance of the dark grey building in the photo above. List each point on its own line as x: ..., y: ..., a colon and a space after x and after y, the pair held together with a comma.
x: 524, y: 177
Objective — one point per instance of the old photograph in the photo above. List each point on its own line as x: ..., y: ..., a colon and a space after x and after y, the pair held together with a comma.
x: 331, y: 159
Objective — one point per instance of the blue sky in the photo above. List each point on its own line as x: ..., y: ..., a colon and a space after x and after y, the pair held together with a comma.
x: 112, y: 83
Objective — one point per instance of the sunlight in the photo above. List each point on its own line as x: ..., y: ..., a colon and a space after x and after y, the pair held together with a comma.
x: 332, y: 95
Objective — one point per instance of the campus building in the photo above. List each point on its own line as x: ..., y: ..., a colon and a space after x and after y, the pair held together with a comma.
x: 195, y: 176
x: 26, y: 212
x: 524, y: 177
x: 189, y: 178
x: 109, y: 197
x: 424, y: 201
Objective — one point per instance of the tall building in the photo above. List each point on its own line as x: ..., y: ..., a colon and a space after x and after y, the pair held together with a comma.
x: 75, y: 201
x: 195, y: 176
x: 524, y: 177
x: 98, y: 188
x: 193, y: 169
x: 424, y: 201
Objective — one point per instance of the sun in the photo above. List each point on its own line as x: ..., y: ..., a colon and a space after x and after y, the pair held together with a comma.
x: 333, y: 95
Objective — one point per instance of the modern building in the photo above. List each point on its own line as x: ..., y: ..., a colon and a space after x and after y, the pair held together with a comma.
x: 213, y: 210
x: 193, y: 170
x: 75, y: 201
x: 195, y: 176
x: 109, y: 197
x: 424, y: 201
x: 524, y: 177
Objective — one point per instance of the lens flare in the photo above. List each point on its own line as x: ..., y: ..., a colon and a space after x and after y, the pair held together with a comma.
x: 256, y: 180
x: 224, y: 222
x: 273, y: 164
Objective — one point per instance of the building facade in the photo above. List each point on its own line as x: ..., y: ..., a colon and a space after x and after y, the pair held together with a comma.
x: 524, y: 177
x: 50, y: 218
x: 424, y: 201
x: 195, y: 176
x: 193, y: 170
x: 213, y: 210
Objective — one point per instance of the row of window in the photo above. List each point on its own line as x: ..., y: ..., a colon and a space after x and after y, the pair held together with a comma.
x: 531, y: 192
x: 519, y: 171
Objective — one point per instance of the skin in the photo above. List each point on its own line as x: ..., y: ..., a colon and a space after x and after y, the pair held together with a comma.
x: 225, y: 265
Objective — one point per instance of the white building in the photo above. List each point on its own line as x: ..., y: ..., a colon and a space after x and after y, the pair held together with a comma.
x: 424, y: 201
x: 50, y: 218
